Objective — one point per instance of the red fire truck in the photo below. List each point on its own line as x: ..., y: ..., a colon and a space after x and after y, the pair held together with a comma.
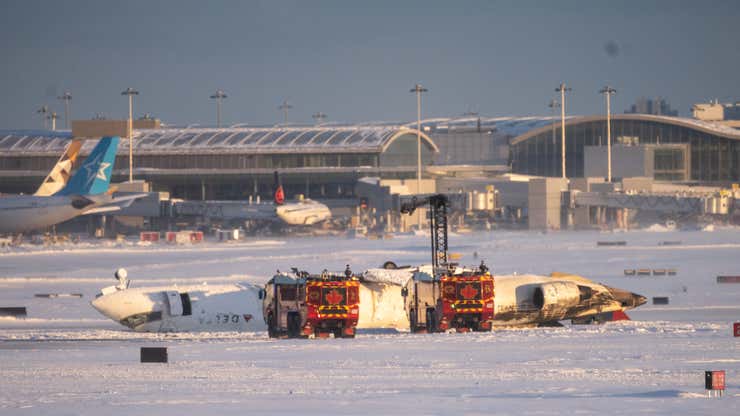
x: 300, y: 305
x: 448, y: 297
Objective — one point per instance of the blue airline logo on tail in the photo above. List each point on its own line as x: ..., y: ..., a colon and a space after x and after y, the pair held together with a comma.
x: 93, y: 177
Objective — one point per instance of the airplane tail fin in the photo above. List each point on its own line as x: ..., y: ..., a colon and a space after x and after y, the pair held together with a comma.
x: 93, y: 176
x: 61, y: 172
x: 279, y: 193
x: 620, y: 316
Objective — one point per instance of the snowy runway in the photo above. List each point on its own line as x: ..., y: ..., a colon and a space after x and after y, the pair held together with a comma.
x: 65, y: 358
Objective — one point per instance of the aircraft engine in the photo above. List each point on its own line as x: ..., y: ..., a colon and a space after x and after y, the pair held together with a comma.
x: 555, y: 298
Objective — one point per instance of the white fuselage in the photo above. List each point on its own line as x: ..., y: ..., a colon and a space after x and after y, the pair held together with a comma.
x: 212, y: 308
x: 306, y: 212
x: 27, y: 212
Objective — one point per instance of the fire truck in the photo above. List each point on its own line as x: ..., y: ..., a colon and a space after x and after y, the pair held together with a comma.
x: 302, y: 305
x: 447, y: 296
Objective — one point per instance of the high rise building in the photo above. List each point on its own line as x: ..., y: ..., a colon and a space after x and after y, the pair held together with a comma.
x: 657, y: 106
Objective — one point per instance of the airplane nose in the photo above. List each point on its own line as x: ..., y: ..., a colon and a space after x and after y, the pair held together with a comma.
x: 105, y: 306
x: 638, y: 300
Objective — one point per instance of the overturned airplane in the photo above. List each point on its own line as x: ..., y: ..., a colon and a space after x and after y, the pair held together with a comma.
x: 519, y: 301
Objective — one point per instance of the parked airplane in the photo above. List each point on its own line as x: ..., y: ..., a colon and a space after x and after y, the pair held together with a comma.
x: 520, y: 301
x: 85, y: 193
x: 298, y: 213
x: 62, y: 171
x: 302, y: 212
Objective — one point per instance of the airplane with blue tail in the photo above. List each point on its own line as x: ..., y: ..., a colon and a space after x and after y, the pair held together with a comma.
x: 62, y: 171
x: 86, y: 192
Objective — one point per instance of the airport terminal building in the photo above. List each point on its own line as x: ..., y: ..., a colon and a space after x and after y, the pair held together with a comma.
x: 668, y: 149
x: 325, y: 161
x: 672, y: 149
x: 234, y: 163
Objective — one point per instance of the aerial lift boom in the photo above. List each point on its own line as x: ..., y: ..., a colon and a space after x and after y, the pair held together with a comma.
x: 438, y: 212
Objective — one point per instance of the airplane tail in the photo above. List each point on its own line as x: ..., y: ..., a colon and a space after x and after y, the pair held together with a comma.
x: 61, y: 172
x: 279, y: 197
x: 93, y: 176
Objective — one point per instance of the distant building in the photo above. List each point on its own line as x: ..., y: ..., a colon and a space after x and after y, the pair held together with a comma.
x: 325, y: 162
x: 656, y: 107
x: 718, y: 113
x: 471, y: 140
x: 732, y: 111
x: 712, y: 111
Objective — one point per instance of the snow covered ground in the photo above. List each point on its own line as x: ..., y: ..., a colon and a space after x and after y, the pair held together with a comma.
x: 65, y: 358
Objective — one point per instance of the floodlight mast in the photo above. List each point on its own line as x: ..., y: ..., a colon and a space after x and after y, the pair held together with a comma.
x: 44, y: 110
x: 130, y: 92
x: 562, y: 89
x: 418, y: 89
x: 53, y: 117
x: 66, y: 97
x: 608, y: 91
x: 218, y: 96
x: 284, y: 107
x: 553, y: 104
x: 319, y: 117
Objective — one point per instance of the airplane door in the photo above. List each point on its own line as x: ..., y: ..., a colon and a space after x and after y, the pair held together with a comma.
x: 175, y: 302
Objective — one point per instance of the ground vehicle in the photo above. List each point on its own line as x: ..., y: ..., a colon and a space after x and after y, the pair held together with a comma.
x: 301, y: 305
x: 448, y: 297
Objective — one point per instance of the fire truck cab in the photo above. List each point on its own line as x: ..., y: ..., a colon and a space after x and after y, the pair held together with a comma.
x: 461, y: 299
x: 301, y: 305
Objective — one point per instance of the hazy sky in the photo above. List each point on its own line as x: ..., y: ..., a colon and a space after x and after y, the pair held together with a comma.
x: 356, y: 60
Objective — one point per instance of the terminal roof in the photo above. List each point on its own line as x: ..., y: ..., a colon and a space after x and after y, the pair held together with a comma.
x: 276, y: 139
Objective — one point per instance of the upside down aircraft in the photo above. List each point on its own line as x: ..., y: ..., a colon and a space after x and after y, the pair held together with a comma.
x: 58, y: 200
x: 520, y: 301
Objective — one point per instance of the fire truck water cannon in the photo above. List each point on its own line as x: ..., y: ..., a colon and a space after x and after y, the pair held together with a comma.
x: 302, y: 305
x: 451, y: 297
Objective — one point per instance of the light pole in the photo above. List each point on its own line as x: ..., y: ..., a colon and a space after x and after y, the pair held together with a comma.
x: 418, y: 89
x: 608, y: 91
x: 562, y: 89
x: 319, y: 117
x: 553, y: 104
x: 66, y: 97
x: 43, y: 111
x: 53, y: 117
x: 284, y: 107
x: 130, y: 130
x: 218, y: 96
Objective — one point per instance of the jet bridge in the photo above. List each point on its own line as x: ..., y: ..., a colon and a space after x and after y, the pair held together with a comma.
x: 680, y: 203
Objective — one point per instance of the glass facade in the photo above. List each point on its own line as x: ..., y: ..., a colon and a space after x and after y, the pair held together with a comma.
x: 402, y: 152
x: 670, y: 163
x: 243, y: 161
x: 711, y: 158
